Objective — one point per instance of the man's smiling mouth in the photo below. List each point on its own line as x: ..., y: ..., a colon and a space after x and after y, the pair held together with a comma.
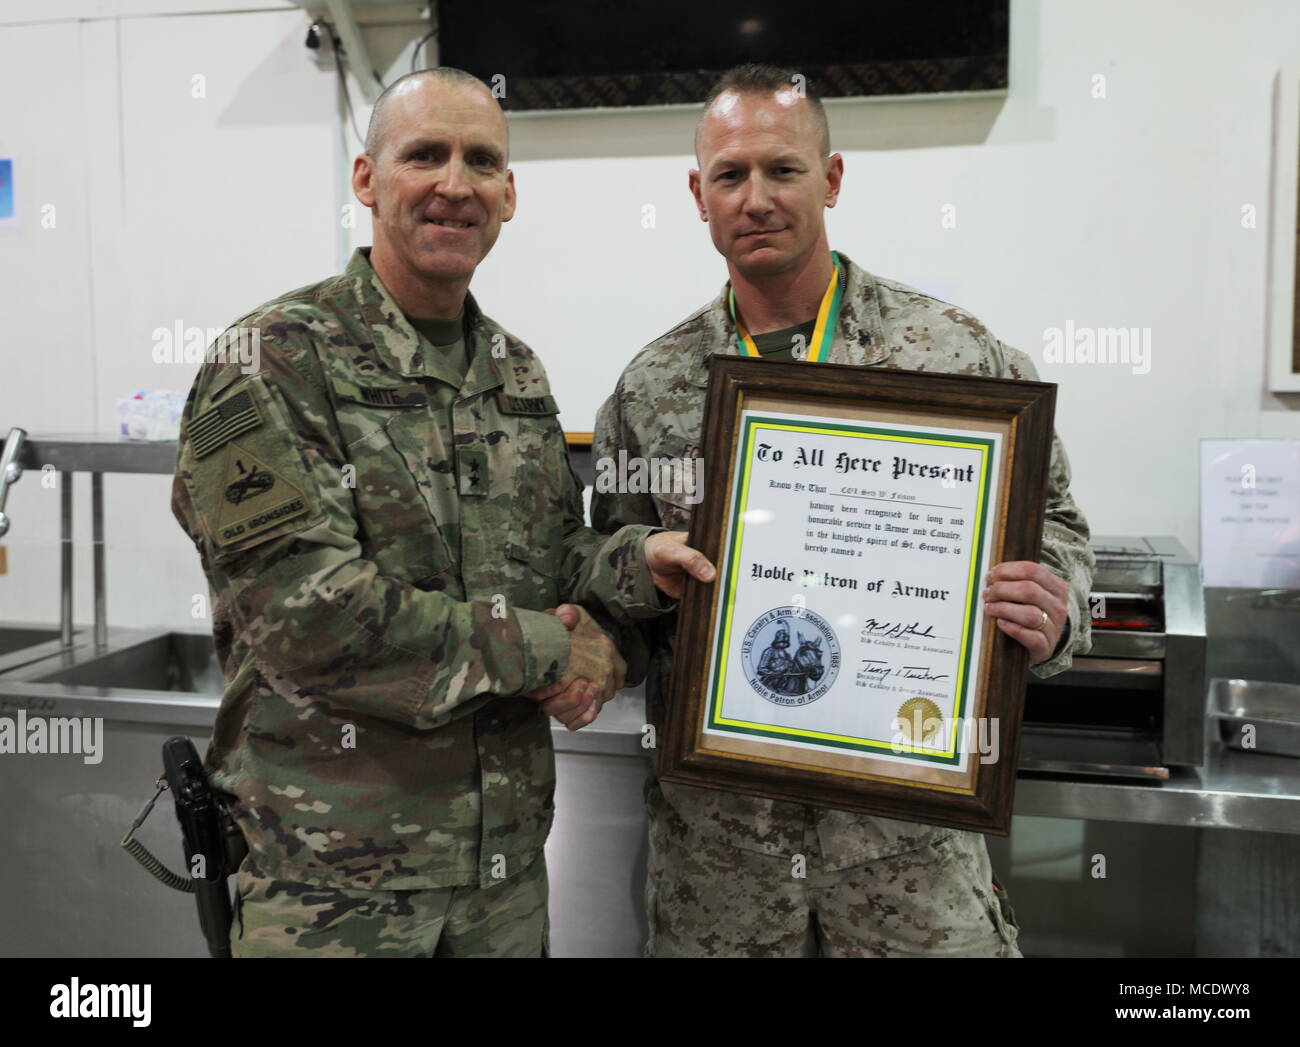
x: 449, y: 223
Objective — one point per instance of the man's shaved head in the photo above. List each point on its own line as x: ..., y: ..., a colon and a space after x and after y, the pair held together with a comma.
x: 376, y: 130
x: 766, y: 174
x: 754, y: 79
x: 436, y: 179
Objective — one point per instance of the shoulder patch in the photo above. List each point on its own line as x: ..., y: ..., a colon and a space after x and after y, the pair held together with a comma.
x: 218, y: 425
x: 255, y: 497
x: 252, y: 485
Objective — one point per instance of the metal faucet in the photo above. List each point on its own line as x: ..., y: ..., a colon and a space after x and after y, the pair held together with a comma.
x: 10, y: 470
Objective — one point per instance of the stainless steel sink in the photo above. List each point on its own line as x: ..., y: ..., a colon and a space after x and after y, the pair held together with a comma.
x: 67, y: 888
x: 21, y: 644
x: 15, y: 637
x: 170, y: 662
x: 1265, y: 713
x: 137, y: 675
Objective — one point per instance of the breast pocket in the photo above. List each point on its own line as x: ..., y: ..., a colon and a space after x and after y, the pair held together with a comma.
x: 535, y: 501
x: 678, y: 474
x: 393, y: 448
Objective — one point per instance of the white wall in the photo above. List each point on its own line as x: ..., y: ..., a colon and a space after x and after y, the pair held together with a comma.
x: 176, y: 199
x: 1122, y: 211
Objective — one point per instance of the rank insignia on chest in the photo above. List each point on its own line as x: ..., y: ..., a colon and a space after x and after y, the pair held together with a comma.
x: 526, y: 404
x: 472, y: 471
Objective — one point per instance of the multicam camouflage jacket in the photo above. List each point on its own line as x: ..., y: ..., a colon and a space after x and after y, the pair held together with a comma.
x: 657, y: 412
x: 380, y: 540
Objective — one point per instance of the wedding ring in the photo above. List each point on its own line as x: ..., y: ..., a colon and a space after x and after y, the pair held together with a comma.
x: 1043, y: 624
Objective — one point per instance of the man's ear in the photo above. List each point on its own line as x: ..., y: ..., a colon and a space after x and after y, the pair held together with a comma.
x: 363, y: 179
x: 508, y: 204
x: 693, y: 179
x: 834, y: 177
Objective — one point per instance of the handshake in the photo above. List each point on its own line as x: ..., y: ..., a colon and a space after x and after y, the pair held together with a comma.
x: 596, y: 670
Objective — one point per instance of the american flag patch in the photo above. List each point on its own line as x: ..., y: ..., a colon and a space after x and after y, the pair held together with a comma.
x: 215, y: 426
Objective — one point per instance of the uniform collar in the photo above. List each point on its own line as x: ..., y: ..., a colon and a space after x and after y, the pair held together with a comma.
x: 400, y: 346
x: 858, y: 339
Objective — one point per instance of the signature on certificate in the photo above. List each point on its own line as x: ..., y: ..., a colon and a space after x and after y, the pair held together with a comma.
x: 876, y: 627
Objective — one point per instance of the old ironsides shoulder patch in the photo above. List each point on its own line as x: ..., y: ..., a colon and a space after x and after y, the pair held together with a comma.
x: 255, y: 498
x: 220, y: 424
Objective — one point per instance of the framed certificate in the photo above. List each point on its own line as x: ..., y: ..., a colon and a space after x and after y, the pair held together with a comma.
x: 842, y: 657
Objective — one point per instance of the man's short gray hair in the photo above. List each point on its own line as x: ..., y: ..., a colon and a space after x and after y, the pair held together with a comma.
x: 755, y: 79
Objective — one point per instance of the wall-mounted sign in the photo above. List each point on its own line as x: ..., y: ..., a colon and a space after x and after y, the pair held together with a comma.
x: 8, y: 194
x: 1250, y: 513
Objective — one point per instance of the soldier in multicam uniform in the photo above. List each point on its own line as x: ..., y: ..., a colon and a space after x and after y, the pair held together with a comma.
x: 385, y: 509
x: 720, y: 868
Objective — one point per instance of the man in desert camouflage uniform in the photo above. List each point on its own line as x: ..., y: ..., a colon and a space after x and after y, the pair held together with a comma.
x: 385, y: 509
x: 720, y: 877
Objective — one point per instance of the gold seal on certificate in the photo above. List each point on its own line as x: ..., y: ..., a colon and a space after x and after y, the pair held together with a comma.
x: 842, y: 657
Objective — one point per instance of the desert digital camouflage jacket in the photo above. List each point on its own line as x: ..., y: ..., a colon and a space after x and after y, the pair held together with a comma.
x: 657, y: 411
x: 380, y: 540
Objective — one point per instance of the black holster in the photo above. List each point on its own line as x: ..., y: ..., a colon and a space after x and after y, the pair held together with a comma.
x: 214, y: 846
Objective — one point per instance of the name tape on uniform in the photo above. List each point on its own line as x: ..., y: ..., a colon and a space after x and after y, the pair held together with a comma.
x: 410, y: 395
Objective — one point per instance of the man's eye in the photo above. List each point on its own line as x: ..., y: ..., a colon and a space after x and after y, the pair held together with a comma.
x: 422, y: 156
x: 728, y: 176
x: 483, y: 160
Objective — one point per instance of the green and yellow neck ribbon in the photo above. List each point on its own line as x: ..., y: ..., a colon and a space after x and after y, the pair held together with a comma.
x: 824, y: 330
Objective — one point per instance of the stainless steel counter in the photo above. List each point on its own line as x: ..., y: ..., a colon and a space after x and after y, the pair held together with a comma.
x: 1252, y: 791
x: 1245, y: 791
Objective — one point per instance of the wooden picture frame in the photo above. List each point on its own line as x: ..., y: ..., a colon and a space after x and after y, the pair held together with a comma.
x: 929, y: 478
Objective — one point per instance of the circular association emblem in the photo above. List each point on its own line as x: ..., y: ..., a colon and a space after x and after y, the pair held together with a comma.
x: 791, y: 656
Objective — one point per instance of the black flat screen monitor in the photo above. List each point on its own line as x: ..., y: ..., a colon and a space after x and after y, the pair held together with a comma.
x: 582, y: 54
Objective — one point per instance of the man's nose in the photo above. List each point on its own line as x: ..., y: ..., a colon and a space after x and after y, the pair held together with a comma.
x: 758, y: 197
x: 454, y: 184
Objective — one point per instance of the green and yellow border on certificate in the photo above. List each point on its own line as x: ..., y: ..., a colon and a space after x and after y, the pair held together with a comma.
x: 948, y: 754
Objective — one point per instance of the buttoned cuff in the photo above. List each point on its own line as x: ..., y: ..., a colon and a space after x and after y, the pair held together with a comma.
x: 546, y: 648
x: 638, y: 596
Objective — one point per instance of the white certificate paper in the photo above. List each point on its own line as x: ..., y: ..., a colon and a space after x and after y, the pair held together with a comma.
x: 850, y: 613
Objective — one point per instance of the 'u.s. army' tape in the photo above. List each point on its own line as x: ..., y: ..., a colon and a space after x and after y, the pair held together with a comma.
x: 526, y: 404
